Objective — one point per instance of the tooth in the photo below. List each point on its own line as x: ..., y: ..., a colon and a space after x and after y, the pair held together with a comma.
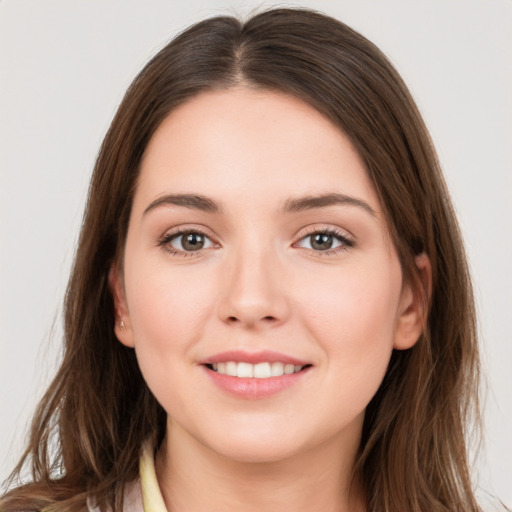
x: 276, y: 369
x: 231, y: 368
x: 288, y: 369
x: 259, y: 371
x: 244, y: 370
x: 262, y: 370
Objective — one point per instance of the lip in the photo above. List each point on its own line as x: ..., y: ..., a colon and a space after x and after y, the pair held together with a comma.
x: 254, y: 388
x: 265, y: 356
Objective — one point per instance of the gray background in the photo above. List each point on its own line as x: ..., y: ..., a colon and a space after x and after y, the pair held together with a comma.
x: 64, y: 67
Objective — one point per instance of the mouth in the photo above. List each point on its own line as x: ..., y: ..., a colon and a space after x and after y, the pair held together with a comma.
x: 263, y: 370
x: 256, y: 375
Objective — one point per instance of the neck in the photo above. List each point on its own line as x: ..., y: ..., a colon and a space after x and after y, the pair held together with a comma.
x: 193, y: 478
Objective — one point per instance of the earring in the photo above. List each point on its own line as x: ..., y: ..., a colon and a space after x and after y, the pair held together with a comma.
x: 121, y: 325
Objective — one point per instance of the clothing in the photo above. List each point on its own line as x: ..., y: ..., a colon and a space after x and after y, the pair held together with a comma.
x: 142, y: 495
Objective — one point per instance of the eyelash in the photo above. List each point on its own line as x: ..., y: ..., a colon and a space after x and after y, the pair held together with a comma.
x: 169, y: 237
x: 346, y: 242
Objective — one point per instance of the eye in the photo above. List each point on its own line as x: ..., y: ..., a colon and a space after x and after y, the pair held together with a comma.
x: 326, y: 241
x: 189, y: 241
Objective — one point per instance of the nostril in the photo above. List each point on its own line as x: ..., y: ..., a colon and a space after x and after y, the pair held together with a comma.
x: 268, y: 318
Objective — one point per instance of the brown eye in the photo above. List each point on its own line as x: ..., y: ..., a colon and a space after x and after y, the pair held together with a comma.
x: 192, y: 242
x: 326, y: 241
x: 321, y: 241
x: 189, y: 241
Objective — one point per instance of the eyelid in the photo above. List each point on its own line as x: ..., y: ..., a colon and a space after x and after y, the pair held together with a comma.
x: 335, y: 230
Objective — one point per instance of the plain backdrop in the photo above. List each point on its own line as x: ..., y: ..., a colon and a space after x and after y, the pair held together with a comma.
x: 64, y: 66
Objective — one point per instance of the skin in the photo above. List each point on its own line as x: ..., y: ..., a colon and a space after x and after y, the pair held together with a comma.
x: 260, y: 283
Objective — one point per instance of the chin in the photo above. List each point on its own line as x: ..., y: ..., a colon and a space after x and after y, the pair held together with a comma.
x: 257, y: 452
x: 260, y: 445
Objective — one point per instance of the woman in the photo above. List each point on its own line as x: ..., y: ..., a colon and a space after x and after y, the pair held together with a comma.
x: 270, y: 306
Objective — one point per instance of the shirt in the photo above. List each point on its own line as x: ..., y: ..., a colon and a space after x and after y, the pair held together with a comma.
x: 142, y: 495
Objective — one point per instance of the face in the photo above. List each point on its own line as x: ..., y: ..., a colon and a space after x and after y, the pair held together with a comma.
x: 259, y: 287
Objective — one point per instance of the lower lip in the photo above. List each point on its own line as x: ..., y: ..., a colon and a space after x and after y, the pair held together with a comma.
x: 252, y: 388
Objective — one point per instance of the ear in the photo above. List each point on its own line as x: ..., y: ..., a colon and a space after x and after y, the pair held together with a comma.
x: 123, y: 328
x: 414, y: 306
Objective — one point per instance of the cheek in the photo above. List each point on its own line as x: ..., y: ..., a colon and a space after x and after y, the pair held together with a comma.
x: 167, y: 311
x: 353, y: 320
x: 354, y: 302
x: 168, y: 306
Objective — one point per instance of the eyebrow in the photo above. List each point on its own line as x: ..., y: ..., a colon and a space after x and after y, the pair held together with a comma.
x: 292, y: 205
x: 192, y: 201
x: 321, y: 201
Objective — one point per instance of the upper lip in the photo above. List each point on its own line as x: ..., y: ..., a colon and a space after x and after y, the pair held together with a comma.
x: 265, y: 356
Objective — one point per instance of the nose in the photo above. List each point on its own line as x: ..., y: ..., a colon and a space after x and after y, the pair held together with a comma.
x: 254, y: 292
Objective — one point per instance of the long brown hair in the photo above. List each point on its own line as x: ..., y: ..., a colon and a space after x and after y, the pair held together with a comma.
x: 89, y: 427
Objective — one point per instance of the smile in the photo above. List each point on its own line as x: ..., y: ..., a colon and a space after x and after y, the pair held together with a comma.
x: 264, y: 370
x: 255, y: 375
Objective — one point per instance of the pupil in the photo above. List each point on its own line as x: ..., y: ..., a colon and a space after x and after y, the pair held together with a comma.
x: 322, y: 241
x: 193, y: 242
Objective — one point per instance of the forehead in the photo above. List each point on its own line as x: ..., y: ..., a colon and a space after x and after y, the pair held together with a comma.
x: 245, y: 143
